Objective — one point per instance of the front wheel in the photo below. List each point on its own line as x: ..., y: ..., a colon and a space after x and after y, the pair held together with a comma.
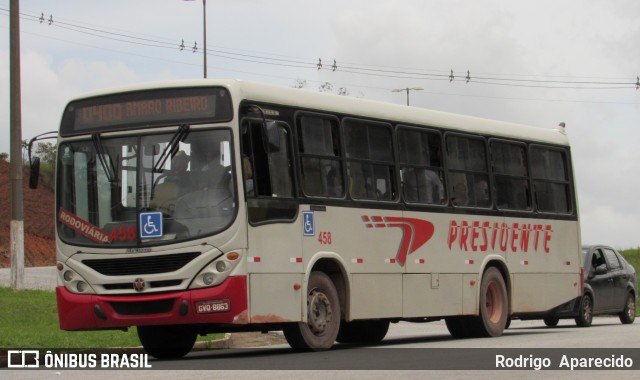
x: 323, y: 317
x: 628, y: 314
x: 585, y: 316
x: 167, y: 342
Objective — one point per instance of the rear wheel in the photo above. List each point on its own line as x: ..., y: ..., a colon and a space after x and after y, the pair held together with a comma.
x: 551, y: 321
x: 323, y: 317
x: 460, y: 327
x: 585, y: 316
x: 494, y: 304
x: 167, y: 342
x: 628, y: 314
x: 367, y: 332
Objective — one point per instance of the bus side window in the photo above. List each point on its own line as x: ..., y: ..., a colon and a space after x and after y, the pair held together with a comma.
x: 370, y: 160
x: 551, y: 183
x: 421, y: 165
x: 468, y: 172
x: 510, y: 170
x: 320, y: 158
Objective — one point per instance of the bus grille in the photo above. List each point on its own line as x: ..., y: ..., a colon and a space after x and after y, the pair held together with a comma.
x: 141, y: 265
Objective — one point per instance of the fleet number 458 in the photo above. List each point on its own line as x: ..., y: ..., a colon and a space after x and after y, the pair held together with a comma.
x: 325, y: 238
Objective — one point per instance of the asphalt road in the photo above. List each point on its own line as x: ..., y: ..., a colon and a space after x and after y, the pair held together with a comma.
x: 411, y: 351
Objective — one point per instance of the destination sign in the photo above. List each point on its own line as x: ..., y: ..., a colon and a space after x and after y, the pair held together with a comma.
x: 138, y: 110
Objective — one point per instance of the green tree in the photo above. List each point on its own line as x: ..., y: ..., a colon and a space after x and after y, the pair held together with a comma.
x: 47, y: 153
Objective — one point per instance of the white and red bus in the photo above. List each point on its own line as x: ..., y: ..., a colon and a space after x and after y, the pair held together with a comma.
x: 205, y: 206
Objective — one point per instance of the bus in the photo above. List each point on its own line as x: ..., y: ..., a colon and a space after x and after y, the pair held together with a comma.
x: 206, y: 206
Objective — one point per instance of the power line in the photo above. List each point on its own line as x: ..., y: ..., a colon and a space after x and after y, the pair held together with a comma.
x: 350, y: 68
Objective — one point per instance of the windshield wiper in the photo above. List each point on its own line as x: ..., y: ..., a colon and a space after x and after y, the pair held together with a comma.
x: 169, y: 150
x: 105, y: 160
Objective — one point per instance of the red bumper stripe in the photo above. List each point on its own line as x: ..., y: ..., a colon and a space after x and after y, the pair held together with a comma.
x: 77, y: 311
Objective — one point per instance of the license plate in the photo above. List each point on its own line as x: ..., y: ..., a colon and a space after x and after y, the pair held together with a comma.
x: 214, y: 306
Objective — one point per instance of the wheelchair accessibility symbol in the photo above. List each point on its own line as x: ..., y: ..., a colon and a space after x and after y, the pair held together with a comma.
x: 309, y: 228
x: 150, y: 225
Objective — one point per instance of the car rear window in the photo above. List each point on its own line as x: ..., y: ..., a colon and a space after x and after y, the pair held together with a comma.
x: 612, y: 259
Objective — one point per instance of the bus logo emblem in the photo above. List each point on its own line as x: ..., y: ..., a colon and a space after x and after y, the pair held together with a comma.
x: 139, y: 284
x: 415, y: 232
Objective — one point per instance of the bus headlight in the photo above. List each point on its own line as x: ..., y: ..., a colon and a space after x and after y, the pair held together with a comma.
x: 81, y: 286
x: 72, y: 280
x: 216, y: 271
x: 68, y: 275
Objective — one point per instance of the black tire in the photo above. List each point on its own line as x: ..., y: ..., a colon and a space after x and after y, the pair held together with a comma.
x: 363, y: 332
x: 508, y: 323
x: 460, y: 327
x: 628, y: 314
x: 585, y: 315
x: 494, y: 305
x: 551, y: 321
x: 167, y: 342
x: 323, y: 317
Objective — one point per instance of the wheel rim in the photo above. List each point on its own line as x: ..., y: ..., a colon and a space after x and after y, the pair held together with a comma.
x: 631, y: 308
x: 319, y: 312
x: 586, y: 309
x: 493, y: 303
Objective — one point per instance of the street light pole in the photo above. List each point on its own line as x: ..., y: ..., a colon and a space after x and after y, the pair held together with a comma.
x: 204, y: 27
x: 407, y: 90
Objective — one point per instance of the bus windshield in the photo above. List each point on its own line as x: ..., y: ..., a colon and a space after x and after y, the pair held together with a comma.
x: 146, y: 189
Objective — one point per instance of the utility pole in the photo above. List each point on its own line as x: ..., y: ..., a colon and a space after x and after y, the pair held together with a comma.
x: 204, y: 27
x: 407, y: 90
x: 17, y: 208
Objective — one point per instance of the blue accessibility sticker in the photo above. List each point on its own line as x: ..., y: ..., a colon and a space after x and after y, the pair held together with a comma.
x: 309, y: 228
x: 150, y: 225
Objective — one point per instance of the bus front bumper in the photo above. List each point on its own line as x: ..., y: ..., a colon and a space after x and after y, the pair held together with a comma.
x: 225, y: 303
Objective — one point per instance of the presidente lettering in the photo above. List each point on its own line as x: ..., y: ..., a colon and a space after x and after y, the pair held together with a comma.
x: 82, y: 226
x: 484, y: 235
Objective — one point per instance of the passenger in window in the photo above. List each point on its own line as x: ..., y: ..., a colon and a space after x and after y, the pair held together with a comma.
x: 179, y: 165
x: 483, y: 198
x: 423, y: 186
x: 175, y: 184
x: 214, y: 174
x: 357, y: 184
x: 247, y: 175
x: 460, y: 196
x: 435, y: 188
x: 334, y: 183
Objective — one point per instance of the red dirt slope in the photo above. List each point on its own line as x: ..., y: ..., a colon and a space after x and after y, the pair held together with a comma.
x: 39, y: 223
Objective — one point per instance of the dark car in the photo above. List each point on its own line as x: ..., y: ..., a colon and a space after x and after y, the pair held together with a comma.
x: 610, y: 287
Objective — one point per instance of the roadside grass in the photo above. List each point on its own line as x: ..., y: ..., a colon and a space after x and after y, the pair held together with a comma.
x: 29, y: 319
x: 633, y: 257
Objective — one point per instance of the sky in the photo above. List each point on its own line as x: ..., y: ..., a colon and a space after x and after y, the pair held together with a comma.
x: 531, y: 62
